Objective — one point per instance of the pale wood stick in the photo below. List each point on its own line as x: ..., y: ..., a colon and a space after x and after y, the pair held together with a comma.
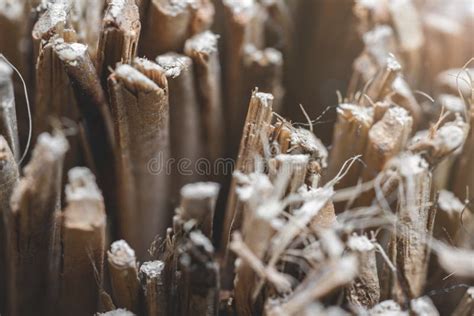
x: 339, y: 273
x: 294, y: 167
x: 169, y: 23
x: 350, y: 137
x: 153, y: 284
x: 96, y: 124
x: 408, y: 246
x: 382, y: 82
x: 83, y: 242
x: 31, y: 225
x: 142, y: 133
x: 466, y: 306
x: 9, y: 176
x: 242, y: 25
x: 123, y: 270
x: 185, y: 130
x: 386, y: 139
x: 403, y: 96
x: 198, y: 201
x: 258, y: 121
x: 119, y: 36
x: 365, y: 289
x: 8, y: 121
x: 199, y: 277
x: 257, y: 240
x: 299, y: 141
x: 202, y: 49
x: 448, y: 217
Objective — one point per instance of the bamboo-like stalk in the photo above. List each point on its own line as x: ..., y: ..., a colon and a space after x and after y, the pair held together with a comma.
x: 365, y: 289
x: 142, y: 133
x: 119, y: 36
x: 169, y: 23
x: 8, y: 120
x: 9, y: 177
x: 156, y: 294
x: 202, y: 49
x: 123, y: 270
x: 257, y: 122
x: 409, y: 250
x: 31, y: 223
x: 96, y: 124
x: 83, y: 243
x: 386, y: 139
x: 199, y: 277
x: 186, y: 135
x: 117, y: 312
x: 242, y: 25
x: 350, y: 138
x: 198, y: 201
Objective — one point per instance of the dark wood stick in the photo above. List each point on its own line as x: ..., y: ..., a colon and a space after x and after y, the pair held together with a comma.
x: 186, y: 131
x: 142, y: 133
x: 96, y: 123
x: 156, y: 294
x: 199, y: 277
x: 123, y: 270
x: 202, y: 49
x: 8, y: 121
x: 31, y: 222
x: 119, y: 36
x: 169, y: 23
x: 9, y: 177
x: 83, y: 242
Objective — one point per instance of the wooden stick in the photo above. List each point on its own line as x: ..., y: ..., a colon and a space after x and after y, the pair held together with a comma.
x: 198, y: 201
x: 202, y: 49
x: 258, y: 121
x: 199, y: 277
x: 349, y: 140
x: 242, y: 25
x: 123, y: 269
x: 262, y: 69
x: 96, y: 122
x: 365, y: 289
x: 8, y: 122
x: 83, y: 241
x: 386, y: 139
x: 170, y: 23
x: 466, y: 306
x: 8, y: 180
x: 409, y: 250
x: 185, y: 129
x: 142, y: 132
x: 31, y: 226
x: 153, y: 285
x: 119, y: 36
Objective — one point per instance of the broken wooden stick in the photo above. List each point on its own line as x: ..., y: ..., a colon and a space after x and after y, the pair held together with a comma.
x: 83, y: 243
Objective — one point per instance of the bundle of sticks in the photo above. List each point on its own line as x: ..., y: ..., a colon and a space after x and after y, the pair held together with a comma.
x: 236, y: 157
